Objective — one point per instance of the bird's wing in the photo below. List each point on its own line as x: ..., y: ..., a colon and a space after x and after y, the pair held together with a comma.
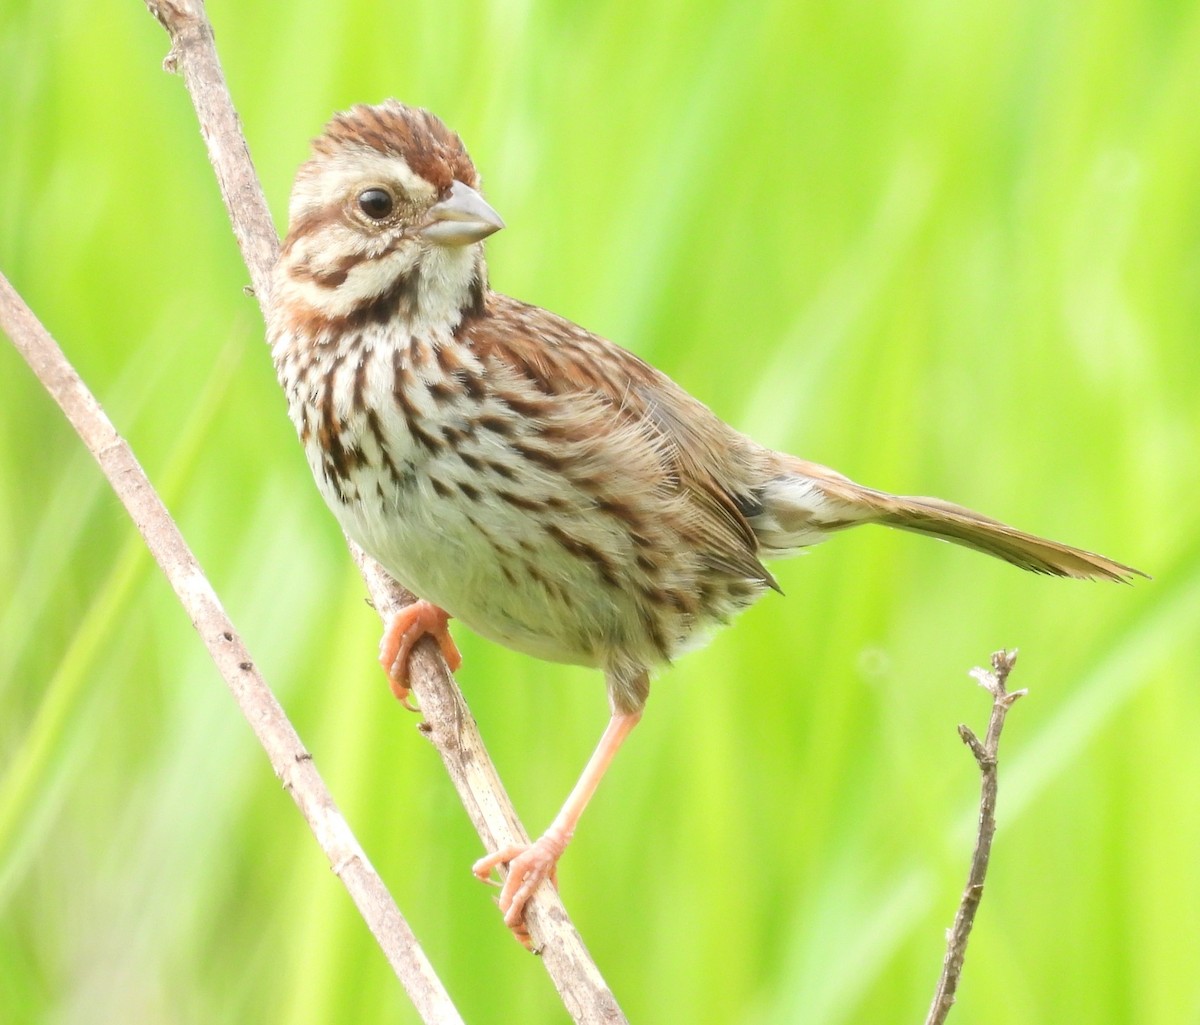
x: 626, y: 422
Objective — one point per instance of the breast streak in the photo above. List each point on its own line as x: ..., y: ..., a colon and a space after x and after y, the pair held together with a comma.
x: 491, y: 516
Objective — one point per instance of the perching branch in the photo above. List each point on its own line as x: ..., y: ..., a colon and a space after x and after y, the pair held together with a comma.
x: 451, y: 726
x: 291, y: 762
x: 985, y: 753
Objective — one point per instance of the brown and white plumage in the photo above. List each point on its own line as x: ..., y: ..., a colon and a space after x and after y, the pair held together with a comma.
x: 551, y: 490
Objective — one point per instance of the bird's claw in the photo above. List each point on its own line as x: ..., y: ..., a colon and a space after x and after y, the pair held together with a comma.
x: 404, y: 629
x: 528, y: 866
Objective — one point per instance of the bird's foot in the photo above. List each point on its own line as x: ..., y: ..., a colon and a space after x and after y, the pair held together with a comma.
x: 528, y: 866
x: 404, y: 629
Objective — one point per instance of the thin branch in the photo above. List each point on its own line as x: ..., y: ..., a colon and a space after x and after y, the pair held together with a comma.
x: 985, y: 753
x: 291, y: 762
x: 451, y: 727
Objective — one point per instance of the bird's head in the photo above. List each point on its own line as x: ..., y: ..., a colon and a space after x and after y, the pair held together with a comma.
x: 385, y: 221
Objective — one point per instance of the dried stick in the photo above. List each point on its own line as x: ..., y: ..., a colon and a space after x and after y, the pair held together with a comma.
x: 449, y: 723
x: 985, y: 753
x: 291, y: 762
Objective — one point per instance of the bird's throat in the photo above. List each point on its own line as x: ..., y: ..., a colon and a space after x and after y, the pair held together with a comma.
x: 444, y: 286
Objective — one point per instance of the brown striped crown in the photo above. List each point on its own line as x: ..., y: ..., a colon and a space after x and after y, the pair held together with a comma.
x: 393, y: 129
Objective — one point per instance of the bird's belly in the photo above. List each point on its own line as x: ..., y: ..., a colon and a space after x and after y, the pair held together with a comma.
x: 456, y: 538
x: 490, y: 570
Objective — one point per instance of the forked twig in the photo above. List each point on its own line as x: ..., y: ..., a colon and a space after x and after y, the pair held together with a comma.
x: 985, y: 752
x: 451, y: 726
x: 291, y: 762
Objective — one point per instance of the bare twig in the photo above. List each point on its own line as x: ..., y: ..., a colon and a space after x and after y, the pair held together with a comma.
x: 194, y: 55
x: 985, y: 752
x: 451, y: 726
x: 291, y: 762
x: 452, y: 729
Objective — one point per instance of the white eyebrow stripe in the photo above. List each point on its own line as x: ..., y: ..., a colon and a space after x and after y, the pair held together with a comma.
x: 339, y: 176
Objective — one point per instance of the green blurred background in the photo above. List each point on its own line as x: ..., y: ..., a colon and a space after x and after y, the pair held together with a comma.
x: 949, y: 249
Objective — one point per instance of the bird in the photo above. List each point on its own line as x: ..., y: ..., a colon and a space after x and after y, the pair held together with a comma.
x: 552, y: 491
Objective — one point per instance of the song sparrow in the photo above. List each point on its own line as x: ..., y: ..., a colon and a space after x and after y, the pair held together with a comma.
x: 551, y: 490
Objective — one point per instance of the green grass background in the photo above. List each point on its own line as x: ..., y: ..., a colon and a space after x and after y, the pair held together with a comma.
x: 950, y: 249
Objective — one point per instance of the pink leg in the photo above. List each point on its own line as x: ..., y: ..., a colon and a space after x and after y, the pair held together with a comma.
x: 529, y: 864
x: 407, y: 627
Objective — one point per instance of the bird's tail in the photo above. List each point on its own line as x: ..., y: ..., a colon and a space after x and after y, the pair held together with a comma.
x: 963, y: 527
x: 832, y: 502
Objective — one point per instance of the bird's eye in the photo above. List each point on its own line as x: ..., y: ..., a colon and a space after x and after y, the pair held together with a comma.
x: 376, y: 203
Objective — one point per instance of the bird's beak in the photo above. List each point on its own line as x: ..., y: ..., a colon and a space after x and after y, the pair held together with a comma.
x: 462, y: 218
